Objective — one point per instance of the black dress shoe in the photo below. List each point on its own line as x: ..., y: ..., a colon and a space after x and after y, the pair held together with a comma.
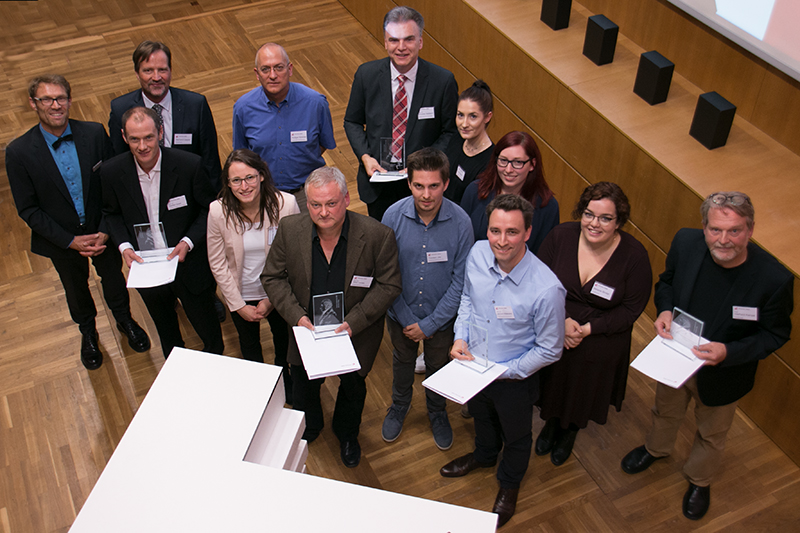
x: 696, y: 502
x: 547, y: 437
x: 463, y: 466
x: 137, y: 338
x: 563, y: 448
x: 638, y: 460
x: 219, y: 308
x: 351, y: 453
x: 91, y: 356
x: 504, y: 505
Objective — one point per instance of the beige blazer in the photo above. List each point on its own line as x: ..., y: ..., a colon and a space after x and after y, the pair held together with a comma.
x: 226, y: 251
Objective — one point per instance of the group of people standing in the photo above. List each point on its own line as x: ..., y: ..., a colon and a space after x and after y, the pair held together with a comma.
x: 472, y: 236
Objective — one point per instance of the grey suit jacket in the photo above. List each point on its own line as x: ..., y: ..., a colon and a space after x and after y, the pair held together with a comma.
x: 371, y: 252
x: 370, y: 107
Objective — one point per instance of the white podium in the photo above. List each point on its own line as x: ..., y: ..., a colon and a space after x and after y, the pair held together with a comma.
x: 212, y: 449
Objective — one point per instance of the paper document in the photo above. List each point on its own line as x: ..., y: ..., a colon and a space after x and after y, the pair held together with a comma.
x: 325, y: 357
x: 385, y: 177
x: 668, y: 361
x: 458, y: 382
x: 154, y: 274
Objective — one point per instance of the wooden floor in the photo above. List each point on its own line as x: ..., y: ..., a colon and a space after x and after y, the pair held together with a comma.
x: 59, y: 424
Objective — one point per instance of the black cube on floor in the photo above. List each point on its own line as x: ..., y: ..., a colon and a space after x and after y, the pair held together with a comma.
x: 653, y: 77
x: 555, y: 13
x: 601, y: 40
x: 712, y: 120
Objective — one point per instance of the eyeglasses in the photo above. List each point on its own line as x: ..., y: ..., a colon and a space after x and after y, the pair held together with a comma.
x: 237, y: 182
x: 502, y: 162
x: 47, y: 101
x: 265, y: 69
x: 735, y: 200
x: 604, y: 220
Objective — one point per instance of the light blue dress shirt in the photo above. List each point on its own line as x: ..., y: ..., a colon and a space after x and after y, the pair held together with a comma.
x: 431, y: 286
x: 66, y: 158
x: 534, y: 337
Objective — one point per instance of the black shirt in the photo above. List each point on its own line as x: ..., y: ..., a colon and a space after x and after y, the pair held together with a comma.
x: 711, y: 288
x: 328, y: 277
x: 470, y: 167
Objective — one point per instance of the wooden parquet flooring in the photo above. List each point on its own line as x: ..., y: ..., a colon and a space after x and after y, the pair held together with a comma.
x: 59, y: 424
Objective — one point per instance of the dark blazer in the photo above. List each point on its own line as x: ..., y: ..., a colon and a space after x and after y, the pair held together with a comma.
x: 371, y: 251
x: 182, y: 174
x: 763, y: 283
x: 42, y: 198
x: 190, y: 114
x: 371, y: 106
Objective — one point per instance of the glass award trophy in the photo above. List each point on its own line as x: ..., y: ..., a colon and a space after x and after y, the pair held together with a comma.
x: 394, y: 161
x: 328, y: 314
x: 687, y: 333
x: 479, y: 348
x: 152, y: 242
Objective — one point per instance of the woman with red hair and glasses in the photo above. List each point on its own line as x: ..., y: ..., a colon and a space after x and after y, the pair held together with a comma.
x: 515, y: 168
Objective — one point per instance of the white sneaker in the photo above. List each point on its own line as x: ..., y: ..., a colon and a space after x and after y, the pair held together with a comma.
x: 419, y: 366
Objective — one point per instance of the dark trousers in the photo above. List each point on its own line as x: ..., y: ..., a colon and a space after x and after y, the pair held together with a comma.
x: 388, y: 193
x: 503, y: 414
x: 250, y: 342
x: 199, y: 308
x: 74, y: 274
x: 346, y: 413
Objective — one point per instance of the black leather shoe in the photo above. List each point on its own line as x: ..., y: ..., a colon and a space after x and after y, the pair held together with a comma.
x: 547, y: 437
x: 696, y: 502
x: 463, y: 466
x: 504, y: 505
x: 351, y: 453
x: 91, y: 356
x: 563, y: 448
x: 137, y: 338
x: 638, y: 460
x: 220, y: 309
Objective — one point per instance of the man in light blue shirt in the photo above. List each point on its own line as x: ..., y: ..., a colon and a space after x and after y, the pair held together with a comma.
x: 433, y: 239
x: 287, y: 124
x: 520, y: 302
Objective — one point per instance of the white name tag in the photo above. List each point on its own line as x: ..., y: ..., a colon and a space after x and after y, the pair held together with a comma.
x: 745, y: 313
x: 437, y: 257
x: 299, y: 136
x: 361, y: 281
x: 460, y: 173
x: 175, y: 203
x: 426, y: 113
x: 603, y: 291
x: 504, y: 312
x: 271, y: 235
x: 183, y: 138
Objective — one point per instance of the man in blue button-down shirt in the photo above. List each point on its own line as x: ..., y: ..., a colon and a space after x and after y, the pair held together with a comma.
x: 520, y: 302
x: 433, y: 240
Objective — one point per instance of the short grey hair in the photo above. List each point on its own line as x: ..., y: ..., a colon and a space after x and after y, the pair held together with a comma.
x: 324, y: 175
x: 745, y: 209
x: 404, y: 14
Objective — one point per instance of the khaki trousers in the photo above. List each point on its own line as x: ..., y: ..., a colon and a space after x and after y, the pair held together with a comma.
x: 713, y: 424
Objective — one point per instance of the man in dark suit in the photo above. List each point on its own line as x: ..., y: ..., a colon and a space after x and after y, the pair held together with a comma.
x: 333, y: 250
x: 52, y: 170
x: 402, y: 98
x: 744, y: 297
x: 186, y: 117
x: 150, y: 184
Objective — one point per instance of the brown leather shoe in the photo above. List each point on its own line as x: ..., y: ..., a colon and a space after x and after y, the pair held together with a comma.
x: 463, y: 466
x: 504, y: 505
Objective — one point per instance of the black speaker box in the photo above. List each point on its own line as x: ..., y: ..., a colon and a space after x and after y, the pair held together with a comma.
x: 555, y: 13
x: 653, y: 77
x: 601, y: 40
x: 712, y: 120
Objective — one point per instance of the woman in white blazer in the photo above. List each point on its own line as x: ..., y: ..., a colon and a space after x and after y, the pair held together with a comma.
x: 241, y: 225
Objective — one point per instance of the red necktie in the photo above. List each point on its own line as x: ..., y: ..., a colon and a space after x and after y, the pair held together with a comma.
x: 399, y: 119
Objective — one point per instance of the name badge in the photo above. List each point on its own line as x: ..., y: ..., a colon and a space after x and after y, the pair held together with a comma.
x: 460, y: 173
x: 299, y: 136
x: 271, y: 235
x: 603, y: 291
x: 437, y: 257
x: 745, y: 313
x: 361, y: 281
x: 183, y: 138
x: 175, y: 203
x: 426, y: 113
x: 504, y: 312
